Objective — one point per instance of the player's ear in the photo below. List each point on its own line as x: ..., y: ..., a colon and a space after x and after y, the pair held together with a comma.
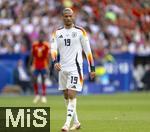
x: 74, y: 15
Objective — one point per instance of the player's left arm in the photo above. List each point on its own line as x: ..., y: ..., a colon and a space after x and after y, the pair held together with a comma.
x: 87, y: 49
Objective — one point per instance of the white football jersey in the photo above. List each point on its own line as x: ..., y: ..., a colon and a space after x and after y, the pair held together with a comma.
x: 70, y: 43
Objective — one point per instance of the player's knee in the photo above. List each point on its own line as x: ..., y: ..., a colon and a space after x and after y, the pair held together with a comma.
x: 71, y: 94
x: 34, y: 79
x: 43, y: 79
x: 65, y: 94
x: 66, y: 97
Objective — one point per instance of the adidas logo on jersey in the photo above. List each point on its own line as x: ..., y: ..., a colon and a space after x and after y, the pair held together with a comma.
x: 60, y: 36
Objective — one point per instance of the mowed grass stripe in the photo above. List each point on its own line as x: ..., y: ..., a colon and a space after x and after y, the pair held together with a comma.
x: 121, y: 112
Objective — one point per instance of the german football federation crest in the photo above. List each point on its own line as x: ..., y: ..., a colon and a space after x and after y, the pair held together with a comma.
x: 74, y: 34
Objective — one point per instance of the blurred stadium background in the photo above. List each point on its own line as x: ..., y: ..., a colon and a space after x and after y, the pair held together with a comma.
x: 119, y: 32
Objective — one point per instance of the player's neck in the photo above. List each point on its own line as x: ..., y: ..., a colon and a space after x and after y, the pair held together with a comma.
x: 70, y: 26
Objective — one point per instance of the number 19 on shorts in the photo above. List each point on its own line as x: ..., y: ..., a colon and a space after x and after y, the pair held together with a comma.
x: 74, y: 80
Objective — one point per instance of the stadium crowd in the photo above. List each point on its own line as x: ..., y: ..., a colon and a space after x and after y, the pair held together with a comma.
x: 113, y: 26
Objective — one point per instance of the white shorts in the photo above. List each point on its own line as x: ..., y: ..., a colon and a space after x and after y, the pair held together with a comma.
x: 70, y: 80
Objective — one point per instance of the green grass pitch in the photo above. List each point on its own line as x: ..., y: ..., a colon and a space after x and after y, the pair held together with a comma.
x: 121, y: 112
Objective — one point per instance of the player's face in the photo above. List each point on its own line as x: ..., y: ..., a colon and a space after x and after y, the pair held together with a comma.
x: 68, y: 18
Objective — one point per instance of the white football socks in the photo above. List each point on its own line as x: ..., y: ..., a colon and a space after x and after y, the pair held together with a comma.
x: 70, y: 110
x: 75, y: 116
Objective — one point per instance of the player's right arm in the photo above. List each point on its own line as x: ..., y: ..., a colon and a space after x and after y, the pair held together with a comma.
x: 54, y: 53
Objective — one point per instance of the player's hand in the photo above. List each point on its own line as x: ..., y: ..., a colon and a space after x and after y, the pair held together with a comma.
x: 92, y: 75
x: 57, y: 66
